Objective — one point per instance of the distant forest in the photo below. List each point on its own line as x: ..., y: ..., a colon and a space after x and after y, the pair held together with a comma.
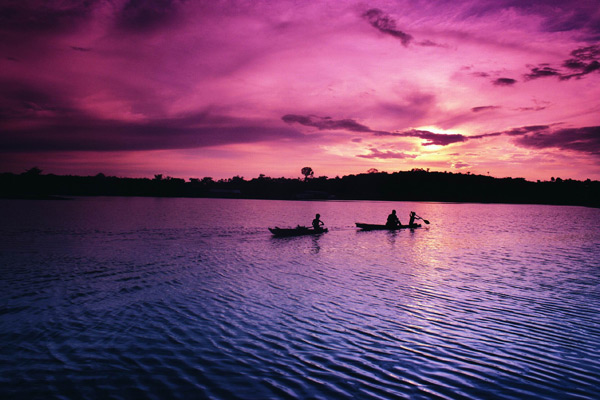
x: 414, y: 185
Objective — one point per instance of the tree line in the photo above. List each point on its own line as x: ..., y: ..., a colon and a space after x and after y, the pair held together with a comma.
x: 413, y: 185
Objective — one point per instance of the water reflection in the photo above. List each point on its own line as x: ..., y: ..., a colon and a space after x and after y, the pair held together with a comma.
x: 315, y: 242
x: 187, y: 301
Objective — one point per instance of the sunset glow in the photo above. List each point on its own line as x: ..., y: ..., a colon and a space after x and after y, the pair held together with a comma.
x: 192, y: 89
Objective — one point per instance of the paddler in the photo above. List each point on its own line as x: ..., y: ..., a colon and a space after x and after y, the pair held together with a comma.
x: 412, y: 216
x: 317, y: 223
x: 392, y: 220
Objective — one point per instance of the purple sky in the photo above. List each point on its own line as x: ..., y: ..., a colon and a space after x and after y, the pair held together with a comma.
x: 224, y: 88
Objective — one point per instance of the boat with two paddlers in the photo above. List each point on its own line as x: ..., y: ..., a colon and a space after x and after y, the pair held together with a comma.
x: 297, y: 231
x: 393, y: 223
x: 377, y: 227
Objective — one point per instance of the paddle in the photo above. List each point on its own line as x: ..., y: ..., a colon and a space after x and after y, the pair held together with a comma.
x: 424, y: 220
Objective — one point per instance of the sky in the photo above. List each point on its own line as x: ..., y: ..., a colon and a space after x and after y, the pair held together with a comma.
x: 183, y: 88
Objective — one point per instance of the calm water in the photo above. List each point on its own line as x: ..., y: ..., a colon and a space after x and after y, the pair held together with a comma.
x: 193, y: 298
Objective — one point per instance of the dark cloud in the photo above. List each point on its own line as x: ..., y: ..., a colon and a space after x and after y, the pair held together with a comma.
x: 386, y: 154
x: 584, y: 140
x: 30, y: 18
x: 326, y: 123
x: 386, y: 24
x: 322, y: 123
x: 460, y: 164
x: 542, y: 71
x: 526, y: 129
x: 38, y: 117
x: 484, y: 108
x: 47, y: 16
x: 537, y: 108
x: 574, y: 64
x: 589, y: 53
x: 83, y: 49
x: 564, y: 16
x: 133, y: 137
x: 587, y: 69
x: 147, y: 15
x: 585, y: 60
x: 431, y: 138
x: 523, y: 130
x: 498, y: 81
x: 429, y: 43
x: 504, y: 82
x: 37, y: 129
x: 20, y: 100
x: 556, y: 16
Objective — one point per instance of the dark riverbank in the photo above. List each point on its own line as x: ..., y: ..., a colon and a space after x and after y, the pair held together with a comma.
x: 415, y: 185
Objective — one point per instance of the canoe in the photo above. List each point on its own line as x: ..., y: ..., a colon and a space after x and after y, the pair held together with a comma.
x: 297, y: 231
x: 375, y: 227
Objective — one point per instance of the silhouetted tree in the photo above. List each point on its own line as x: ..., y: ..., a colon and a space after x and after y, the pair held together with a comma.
x: 307, y: 171
x: 417, y: 185
x: 372, y: 171
x: 236, y: 179
x: 35, y: 171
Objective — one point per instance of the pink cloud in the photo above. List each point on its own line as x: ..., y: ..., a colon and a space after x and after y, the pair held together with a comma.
x: 160, y: 75
x: 388, y: 154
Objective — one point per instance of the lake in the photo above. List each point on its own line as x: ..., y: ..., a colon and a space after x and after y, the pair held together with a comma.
x: 193, y: 298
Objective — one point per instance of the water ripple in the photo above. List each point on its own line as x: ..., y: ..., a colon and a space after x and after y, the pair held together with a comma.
x: 180, y: 300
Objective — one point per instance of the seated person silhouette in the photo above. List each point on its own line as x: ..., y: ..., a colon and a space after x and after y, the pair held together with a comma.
x: 317, y: 223
x: 412, y: 216
x: 392, y: 220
